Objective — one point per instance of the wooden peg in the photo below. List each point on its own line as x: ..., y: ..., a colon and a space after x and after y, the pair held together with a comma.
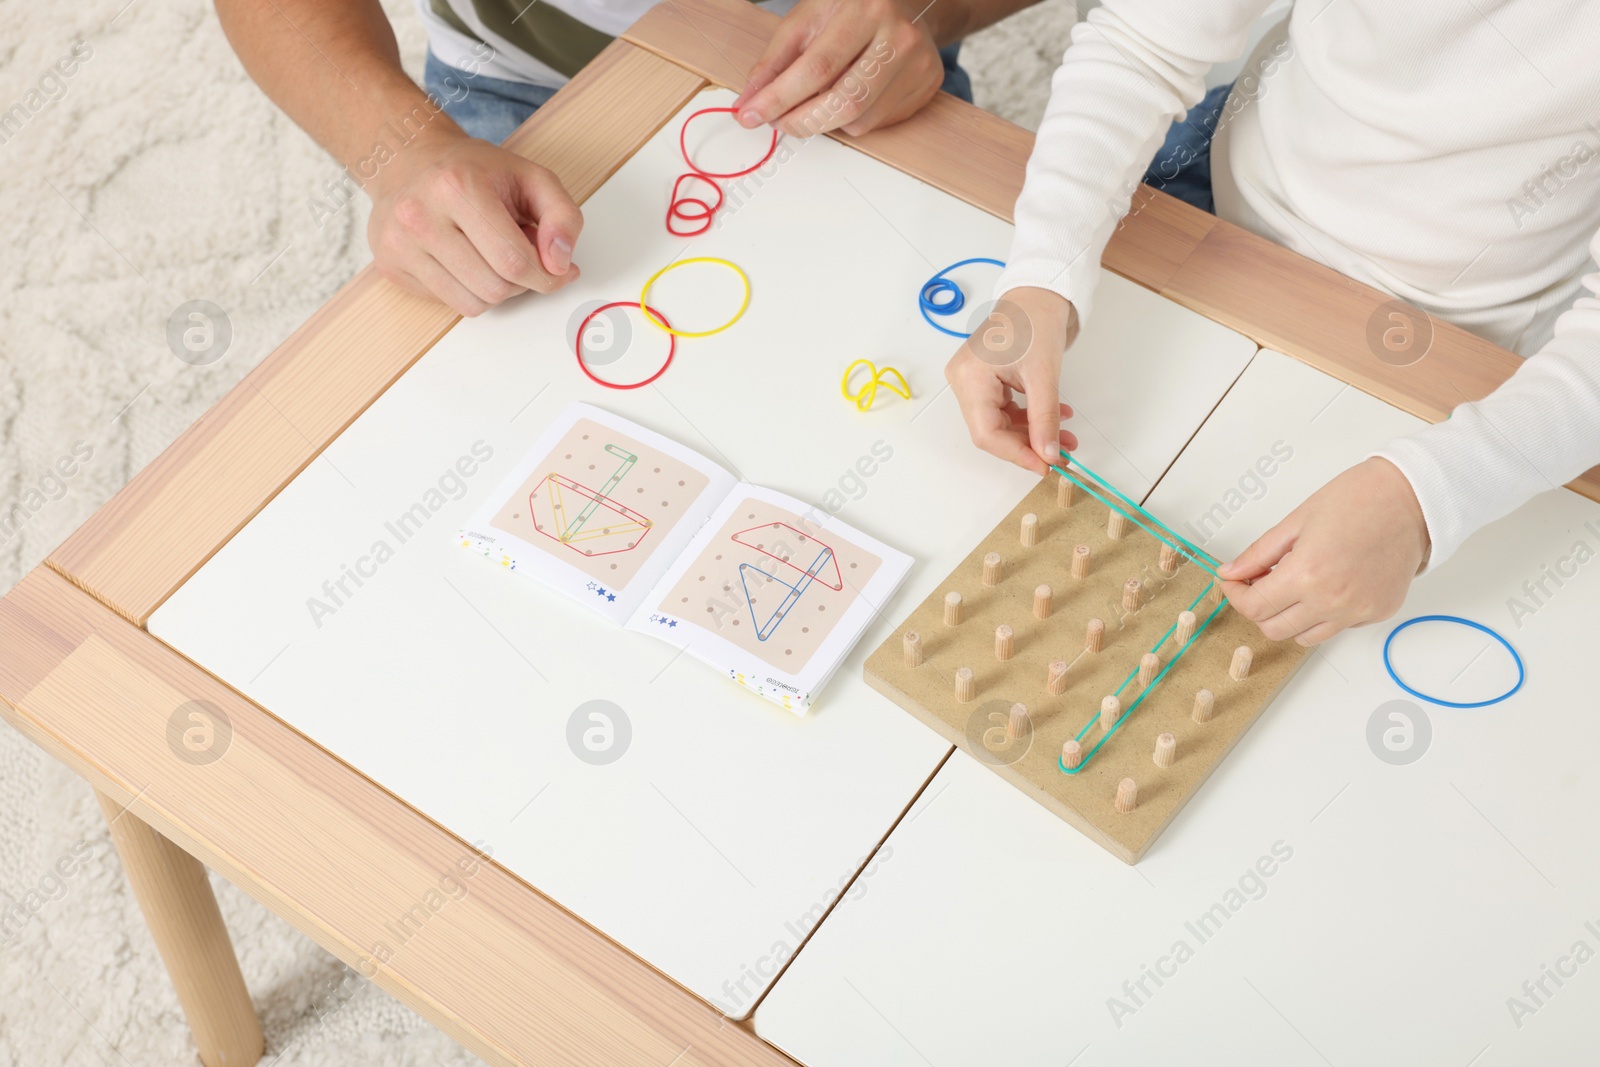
x: 1004, y: 644
x: 1116, y: 524
x: 1127, y: 795
x: 1018, y: 724
x: 1055, y: 682
x: 1184, y: 630
x: 1080, y: 561
x: 1041, y: 602
x: 1132, y: 591
x: 1166, y: 750
x: 966, y: 685
x: 1239, y: 669
x: 1149, y: 664
x: 1169, y: 559
x: 1095, y: 638
x: 952, y: 608
x: 1030, y: 530
x: 1203, y: 704
x: 1071, y: 754
x: 912, y: 644
x: 1213, y: 595
x: 1066, y: 491
x: 1110, y: 712
x: 991, y: 569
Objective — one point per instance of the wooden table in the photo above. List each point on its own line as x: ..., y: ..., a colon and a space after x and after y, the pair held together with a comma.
x: 506, y: 971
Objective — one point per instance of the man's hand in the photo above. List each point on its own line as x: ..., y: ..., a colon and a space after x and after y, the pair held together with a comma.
x: 1017, y: 350
x: 1343, y: 558
x: 850, y: 64
x: 453, y: 218
x: 469, y: 223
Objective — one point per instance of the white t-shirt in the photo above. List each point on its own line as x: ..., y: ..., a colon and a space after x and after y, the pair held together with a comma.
x: 1445, y: 152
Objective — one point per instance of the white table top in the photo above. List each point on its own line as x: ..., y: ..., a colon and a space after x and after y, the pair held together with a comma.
x: 1406, y: 902
x: 727, y: 821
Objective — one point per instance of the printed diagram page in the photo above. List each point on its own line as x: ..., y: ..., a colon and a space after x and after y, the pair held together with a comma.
x: 773, y: 593
x: 597, y: 509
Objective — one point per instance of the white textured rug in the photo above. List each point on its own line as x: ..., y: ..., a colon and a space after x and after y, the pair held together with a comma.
x: 156, y: 174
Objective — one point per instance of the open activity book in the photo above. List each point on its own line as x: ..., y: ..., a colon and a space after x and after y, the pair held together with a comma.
x: 766, y: 589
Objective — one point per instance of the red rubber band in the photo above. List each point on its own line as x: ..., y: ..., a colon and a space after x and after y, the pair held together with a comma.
x: 703, y: 219
x: 676, y: 199
x: 696, y: 232
x: 684, y: 147
x: 577, y: 345
x: 675, y: 209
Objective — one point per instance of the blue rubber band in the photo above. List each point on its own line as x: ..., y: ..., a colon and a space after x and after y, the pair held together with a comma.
x: 1388, y: 666
x: 940, y: 286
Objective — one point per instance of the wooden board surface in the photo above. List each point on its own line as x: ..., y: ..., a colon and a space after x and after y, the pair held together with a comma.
x: 497, y: 965
x: 1032, y: 762
x: 176, y: 512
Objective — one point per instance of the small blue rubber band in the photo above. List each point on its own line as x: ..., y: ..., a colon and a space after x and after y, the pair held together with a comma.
x: 1522, y: 673
x: 940, y: 286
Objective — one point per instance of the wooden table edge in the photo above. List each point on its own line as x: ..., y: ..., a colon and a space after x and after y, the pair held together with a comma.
x: 509, y: 929
x: 1190, y: 257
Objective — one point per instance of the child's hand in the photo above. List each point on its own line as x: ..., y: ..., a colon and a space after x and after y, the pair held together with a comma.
x: 1017, y: 349
x: 1343, y: 558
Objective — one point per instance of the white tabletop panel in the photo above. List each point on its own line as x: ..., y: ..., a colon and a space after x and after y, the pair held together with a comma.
x: 1283, y: 430
x: 727, y: 820
x: 1408, y: 902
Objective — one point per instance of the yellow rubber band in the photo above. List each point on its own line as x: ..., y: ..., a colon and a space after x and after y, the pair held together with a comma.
x: 868, y: 392
x: 650, y: 316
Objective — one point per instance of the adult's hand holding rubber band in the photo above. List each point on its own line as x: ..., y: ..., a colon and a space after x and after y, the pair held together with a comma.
x: 706, y: 212
x: 683, y: 146
x: 651, y: 314
x: 939, y: 286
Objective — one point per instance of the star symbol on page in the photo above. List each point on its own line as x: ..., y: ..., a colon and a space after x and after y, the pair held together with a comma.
x: 611, y: 596
x: 671, y: 623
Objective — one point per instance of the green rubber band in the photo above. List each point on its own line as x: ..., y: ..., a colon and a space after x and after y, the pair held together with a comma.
x: 1154, y: 682
x: 1192, y: 551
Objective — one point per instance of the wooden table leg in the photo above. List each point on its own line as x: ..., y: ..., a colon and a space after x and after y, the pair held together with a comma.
x: 175, y: 896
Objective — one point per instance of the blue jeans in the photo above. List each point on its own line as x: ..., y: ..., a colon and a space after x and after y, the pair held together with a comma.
x: 487, y: 108
x: 490, y: 108
x: 1182, y: 167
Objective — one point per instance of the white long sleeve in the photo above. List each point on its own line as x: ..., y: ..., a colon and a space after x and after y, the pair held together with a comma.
x: 1132, y: 68
x: 1538, y: 431
x: 1422, y: 148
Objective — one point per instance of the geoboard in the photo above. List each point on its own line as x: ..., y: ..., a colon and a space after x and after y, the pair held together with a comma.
x: 1068, y: 625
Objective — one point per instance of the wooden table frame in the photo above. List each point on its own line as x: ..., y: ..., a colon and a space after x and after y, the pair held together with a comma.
x: 504, y: 970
